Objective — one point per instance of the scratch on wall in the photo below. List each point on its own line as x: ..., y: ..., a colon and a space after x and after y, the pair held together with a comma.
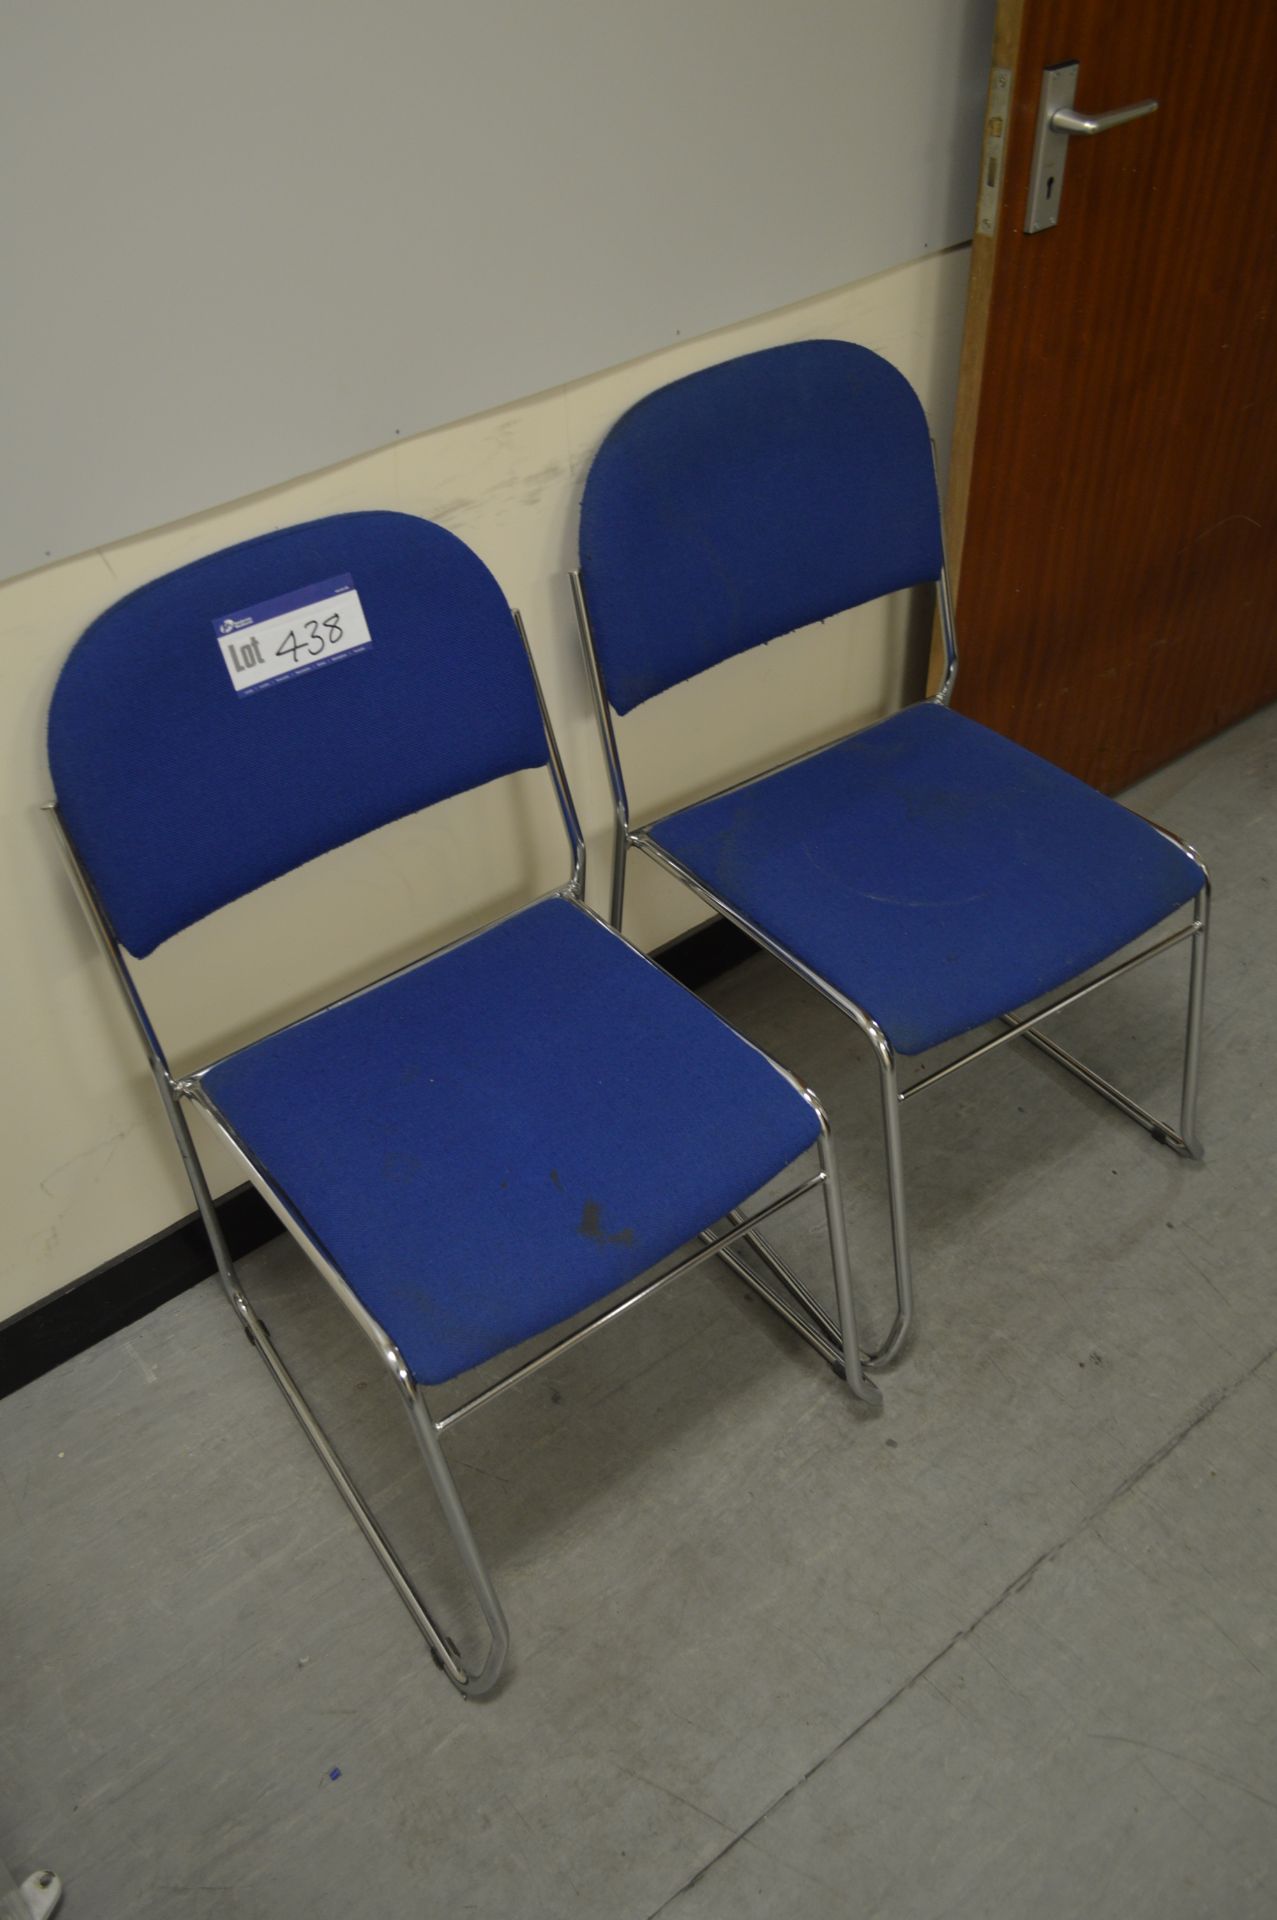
x: 63, y: 1190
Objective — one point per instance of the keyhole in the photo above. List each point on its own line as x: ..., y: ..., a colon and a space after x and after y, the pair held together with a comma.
x: 1050, y: 185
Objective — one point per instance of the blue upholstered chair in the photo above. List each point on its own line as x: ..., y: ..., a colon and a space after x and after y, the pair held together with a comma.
x: 485, y: 1143
x: 926, y: 875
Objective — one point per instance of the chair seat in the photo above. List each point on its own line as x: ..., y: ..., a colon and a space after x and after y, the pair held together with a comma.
x: 932, y: 871
x: 498, y: 1138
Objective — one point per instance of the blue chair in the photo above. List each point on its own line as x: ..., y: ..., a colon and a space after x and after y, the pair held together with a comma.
x: 487, y: 1142
x: 926, y: 875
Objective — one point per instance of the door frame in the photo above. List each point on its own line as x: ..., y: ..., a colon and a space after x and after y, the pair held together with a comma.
x: 994, y: 150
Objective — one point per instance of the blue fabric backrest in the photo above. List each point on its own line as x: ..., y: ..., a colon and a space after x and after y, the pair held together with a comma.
x: 748, y: 500
x: 182, y: 794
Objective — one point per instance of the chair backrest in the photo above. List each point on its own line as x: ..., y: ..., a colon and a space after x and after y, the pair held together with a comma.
x: 182, y: 792
x: 748, y: 500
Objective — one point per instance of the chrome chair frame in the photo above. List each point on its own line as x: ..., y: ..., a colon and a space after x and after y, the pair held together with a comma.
x: 176, y: 1093
x: 1184, y: 1140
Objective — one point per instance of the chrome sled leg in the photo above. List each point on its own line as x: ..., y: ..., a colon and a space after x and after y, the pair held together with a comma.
x: 1185, y: 1139
x: 442, y: 1648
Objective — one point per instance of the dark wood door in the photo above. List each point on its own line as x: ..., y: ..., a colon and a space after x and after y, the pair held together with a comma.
x: 1113, y: 497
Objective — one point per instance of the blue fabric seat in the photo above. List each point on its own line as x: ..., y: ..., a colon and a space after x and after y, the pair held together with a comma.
x: 496, y: 1139
x: 932, y: 871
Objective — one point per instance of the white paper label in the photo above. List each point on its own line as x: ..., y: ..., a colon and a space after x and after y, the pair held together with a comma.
x: 292, y: 634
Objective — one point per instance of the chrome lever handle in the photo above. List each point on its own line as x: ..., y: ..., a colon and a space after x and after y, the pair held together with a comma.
x: 1058, y: 121
x: 1068, y: 120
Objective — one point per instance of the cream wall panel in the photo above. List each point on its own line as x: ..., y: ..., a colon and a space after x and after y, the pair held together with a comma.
x: 86, y: 1168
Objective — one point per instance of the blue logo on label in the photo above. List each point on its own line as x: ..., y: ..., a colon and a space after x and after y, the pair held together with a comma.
x: 285, y: 603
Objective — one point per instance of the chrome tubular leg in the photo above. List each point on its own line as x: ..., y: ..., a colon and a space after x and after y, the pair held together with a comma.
x: 1185, y: 1141
x: 442, y: 1649
x: 828, y: 1346
x: 766, y: 1253
x: 857, y: 1380
x: 892, y: 1345
x: 473, y: 1685
x: 1161, y: 1130
x: 1193, y: 1037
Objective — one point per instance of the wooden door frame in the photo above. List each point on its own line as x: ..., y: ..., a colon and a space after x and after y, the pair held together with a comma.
x: 1004, y: 53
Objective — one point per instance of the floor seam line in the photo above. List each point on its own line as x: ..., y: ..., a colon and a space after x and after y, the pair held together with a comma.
x: 1204, y: 1410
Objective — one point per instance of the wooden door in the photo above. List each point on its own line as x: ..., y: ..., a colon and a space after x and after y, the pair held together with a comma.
x: 1111, y: 508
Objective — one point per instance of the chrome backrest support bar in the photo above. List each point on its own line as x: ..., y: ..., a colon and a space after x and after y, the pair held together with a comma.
x: 603, y: 712
x: 558, y: 772
x: 948, y: 633
x: 944, y: 600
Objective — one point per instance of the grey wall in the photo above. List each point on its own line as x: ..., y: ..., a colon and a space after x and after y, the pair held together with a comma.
x: 248, y: 239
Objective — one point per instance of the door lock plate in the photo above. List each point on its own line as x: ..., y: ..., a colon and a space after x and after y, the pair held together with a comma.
x: 1050, y: 148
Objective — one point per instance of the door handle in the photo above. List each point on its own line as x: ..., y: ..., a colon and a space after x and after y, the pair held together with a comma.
x: 1058, y: 121
x: 1065, y: 120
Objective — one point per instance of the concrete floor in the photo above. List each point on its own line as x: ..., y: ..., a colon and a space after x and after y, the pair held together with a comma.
x: 1007, y: 1648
